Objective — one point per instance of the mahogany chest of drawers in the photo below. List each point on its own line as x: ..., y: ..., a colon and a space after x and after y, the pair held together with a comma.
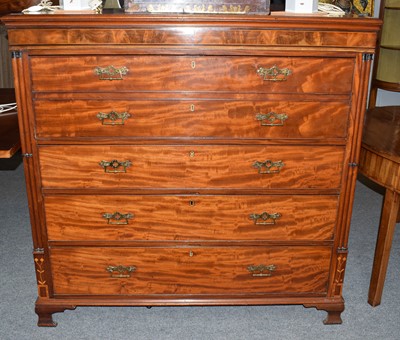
x: 190, y: 159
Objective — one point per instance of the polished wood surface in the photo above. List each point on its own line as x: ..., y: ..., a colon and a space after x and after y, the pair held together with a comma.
x: 9, y: 134
x: 191, y: 73
x: 380, y: 161
x: 190, y: 218
x: 177, y: 270
x: 193, y: 86
x: 191, y: 167
x: 227, y: 118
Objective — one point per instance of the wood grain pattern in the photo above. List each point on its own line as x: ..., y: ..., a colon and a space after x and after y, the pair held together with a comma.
x: 190, y: 217
x: 181, y: 118
x: 196, y: 252
x: 173, y: 167
x: 299, y: 270
x: 178, y: 73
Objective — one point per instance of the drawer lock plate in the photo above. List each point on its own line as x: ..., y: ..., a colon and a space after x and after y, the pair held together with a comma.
x: 113, y: 118
x: 111, y: 72
x: 274, y: 73
x: 271, y: 118
x: 261, y: 270
x: 265, y: 218
x: 120, y: 271
x: 268, y: 167
x: 115, y: 166
x: 118, y: 218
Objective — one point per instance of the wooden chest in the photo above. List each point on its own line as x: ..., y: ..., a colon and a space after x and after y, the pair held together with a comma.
x: 190, y: 160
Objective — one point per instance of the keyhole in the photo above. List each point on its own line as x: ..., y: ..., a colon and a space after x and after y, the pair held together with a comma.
x: 193, y: 64
x: 191, y: 253
x: 191, y: 154
x: 192, y: 107
x: 192, y: 203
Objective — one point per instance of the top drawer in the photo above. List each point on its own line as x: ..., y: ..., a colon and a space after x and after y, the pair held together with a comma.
x: 192, y: 73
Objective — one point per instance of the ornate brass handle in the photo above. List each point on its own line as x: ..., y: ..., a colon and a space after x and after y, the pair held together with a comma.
x: 113, y: 118
x: 114, y: 166
x: 268, y: 167
x: 271, y: 118
x: 261, y: 269
x: 120, y: 271
x: 111, y: 72
x: 118, y: 218
x: 265, y: 218
x: 274, y: 73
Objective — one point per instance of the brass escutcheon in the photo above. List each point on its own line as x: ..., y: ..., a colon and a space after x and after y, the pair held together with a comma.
x: 120, y: 271
x: 274, y: 73
x: 265, y: 218
x: 111, y: 72
x: 271, y: 118
x: 114, y: 166
x: 268, y: 167
x: 259, y: 270
x: 113, y: 118
x: 118, y: 218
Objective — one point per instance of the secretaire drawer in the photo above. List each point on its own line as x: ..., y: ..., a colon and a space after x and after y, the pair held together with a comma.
x: 194, y: 118
x: 192, y: 73
x: 171, y: 218
x: 198, y: 270
x: 191, y: 166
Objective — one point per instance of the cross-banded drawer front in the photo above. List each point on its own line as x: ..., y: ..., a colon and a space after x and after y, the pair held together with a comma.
x: 182, y: 118
x: 130, y: 271
x: 192, y: 73
x: 231, y: 166
x: 185, y: 217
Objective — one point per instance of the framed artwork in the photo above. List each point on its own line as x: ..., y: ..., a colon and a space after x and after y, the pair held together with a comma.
x: 357, y: 7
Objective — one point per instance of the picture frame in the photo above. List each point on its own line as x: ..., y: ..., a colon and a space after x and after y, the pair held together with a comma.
x: 355, y: 7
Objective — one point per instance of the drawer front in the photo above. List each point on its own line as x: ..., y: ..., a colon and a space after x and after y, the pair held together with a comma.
x: 171, y: 218
x: 174, y: 118
x: 195, y: 166
x: 197, y: 73
x: 202, y: 270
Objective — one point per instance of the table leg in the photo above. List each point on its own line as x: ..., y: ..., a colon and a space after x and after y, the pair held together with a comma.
x: 384, y: 243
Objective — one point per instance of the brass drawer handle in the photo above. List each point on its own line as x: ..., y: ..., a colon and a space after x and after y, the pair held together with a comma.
x: 268, y: 167
x: 265, y: 218
x: 111, y: 72
x: 261, y: 269
x: 120, y: 271
x: 118, y: 218
x: 271, y: 118
x: 274, y: 73
x: 114, y: 166
x: 113, y: 118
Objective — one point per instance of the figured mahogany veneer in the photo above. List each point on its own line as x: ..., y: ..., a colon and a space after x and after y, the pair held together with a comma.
x: 166, y: 218
x: 187, y: 166
x: 177, y: 270
x: 196, y: 73
x: 190, y: 159
x: 228, y: 118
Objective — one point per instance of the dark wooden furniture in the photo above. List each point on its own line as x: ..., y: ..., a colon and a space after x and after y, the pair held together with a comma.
x: 190, y: 160
x: 380, y: 161
x: 380, y: 152
x: 9, y: 134
x: 386, y: 70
